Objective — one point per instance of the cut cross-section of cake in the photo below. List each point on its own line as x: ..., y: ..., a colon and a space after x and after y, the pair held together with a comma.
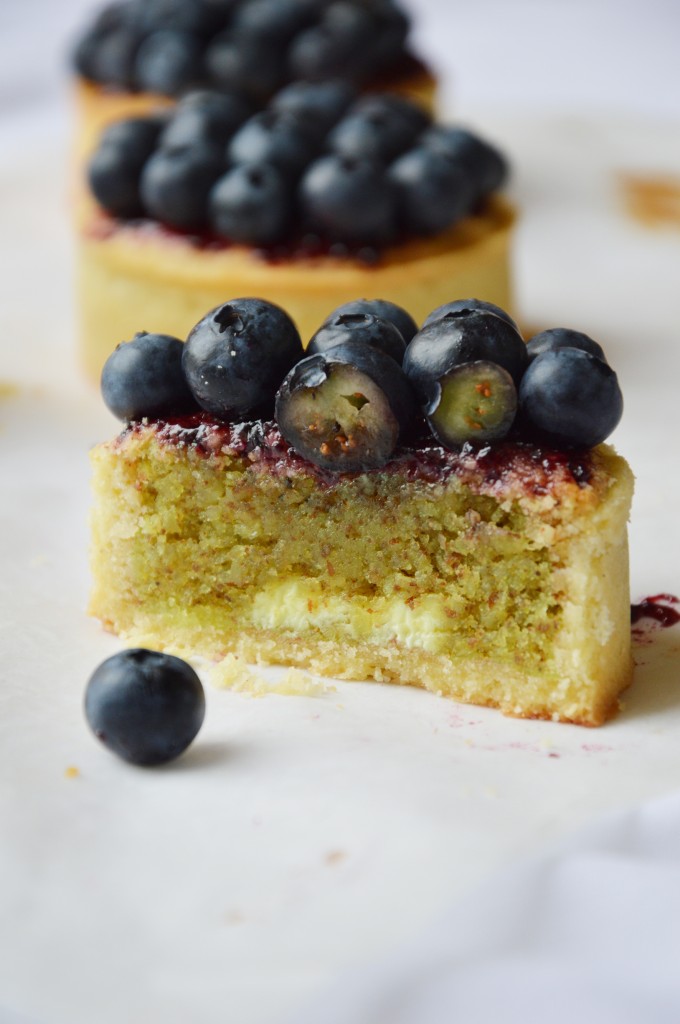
x: 494, y: 572
x: 494, y: 576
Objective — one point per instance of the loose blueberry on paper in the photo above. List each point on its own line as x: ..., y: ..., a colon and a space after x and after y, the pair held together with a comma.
x: 144, y: 706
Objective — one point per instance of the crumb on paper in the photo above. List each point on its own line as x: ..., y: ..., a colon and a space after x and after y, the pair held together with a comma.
x: 72, y: 772
x: 8, y: 389
x: 545, y: 743
x: 232, y: 673
x: 233, y: 917
x: 335, y: 857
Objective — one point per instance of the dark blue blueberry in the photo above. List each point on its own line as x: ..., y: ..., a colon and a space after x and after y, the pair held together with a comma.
x: 115, y: 167
x: 112, y: 59
x: 360, y: 328
x: 469, y: 305
x: 251, y: 66
x: 319, y: 105
x: 180, y: 16
x: 137, y: 137
x: 348, y: 200
x: 176, y: 183
x: 563, y: 337
x: 205, y: 117
x: 346, y: 409
x: 272, y: 137
x: 144, y: 706
x: 432, y: 191
x: 390, y: 37
x: 379, y: 127
x: 275, y: 20
x: 252, y: 204
x: 169, y: 62
x: 338, y: 47
x: 386, y: 310
x: 462, y: 337
x: 144, y: 377
x: 571, y: 397
x: 235, y: 357
x: 476, y: 402
x: 109, y: 20
x: 484, y: 164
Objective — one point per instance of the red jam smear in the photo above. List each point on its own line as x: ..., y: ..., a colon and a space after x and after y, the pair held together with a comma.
x: 661, y: 609
x: 520, y: 465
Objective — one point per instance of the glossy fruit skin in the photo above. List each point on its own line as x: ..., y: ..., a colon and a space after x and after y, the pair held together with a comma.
x: 563, y: 337
x: 460, y: 305
x: 251, y: 204
x: 386, y: 310
x: 168, y: 62
x: 272, y: 137
x: 144, y: 377
x: 378, y: 128
x: 115, y: 168
x: 337, y: 47
x: 359, y: 328
x: 144, y: 706
x: 252, y: 66
x: 571, y: 398
x: 432, y: 191
x: 461, y: 337
x: 175, y: 185
x: 204, y: 117
x: 236, y: 356
x: 275, y: 20
x: 486, y: 168
x: 319, y: 105
x: 348, y: 200
x: 313, y: 372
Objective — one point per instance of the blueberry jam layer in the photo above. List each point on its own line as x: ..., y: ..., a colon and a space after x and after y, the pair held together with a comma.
x: 663, y: 609
x: 510, y: 467
x: 301, y: 247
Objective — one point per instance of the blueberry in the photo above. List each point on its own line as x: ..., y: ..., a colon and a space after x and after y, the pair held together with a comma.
x: 360, y: 328
x: 338, y: 47
x: 349, y: 200
x: 483, y: 163
x: 464, y: 305
x: 169, y: 62
x: 432, y: 191
x: 136, y: 136
x: 251, y: 203
x: 571, y: 397
x: 274, y: 20
x: 563, y: 337
x: 379, y: 128
x: 345, y: 409
x: 179, y: 16
x: 461, y: 337
x: 205, y: 117
x: 115, y: 167
x: 390, y: 37
x: 144, y: 706
x: 249, y: 65
x: 386, y: 310
x: 236, y: 356
x: 272, y: 137
x: 175, y: 185
x: 319, y: 105
x: 144, y: 377
x: 112, y: 57
x: 476, y: 402
x: 109, y: 20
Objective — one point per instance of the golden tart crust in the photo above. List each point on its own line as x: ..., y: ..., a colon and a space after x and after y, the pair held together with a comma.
x: 138, y: 276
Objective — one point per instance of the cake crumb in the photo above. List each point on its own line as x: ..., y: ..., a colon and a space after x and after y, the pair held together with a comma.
x: 233, y: 917
x: 233, y: 674
x: 335, y: 857
x: 71, y: 772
